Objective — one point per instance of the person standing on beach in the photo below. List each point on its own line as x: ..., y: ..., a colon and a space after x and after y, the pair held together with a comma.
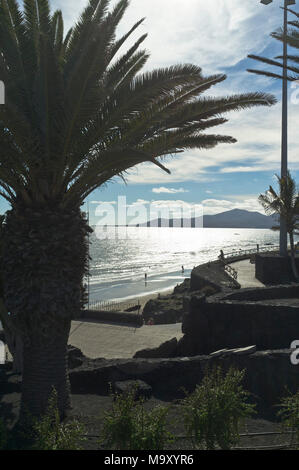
x: 183, y: 269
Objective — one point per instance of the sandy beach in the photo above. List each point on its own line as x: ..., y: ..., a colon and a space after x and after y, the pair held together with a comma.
x: 141, y: 299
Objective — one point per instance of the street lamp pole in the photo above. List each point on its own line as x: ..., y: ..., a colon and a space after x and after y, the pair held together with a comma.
x: 284, y: 136
x: 284, y: 128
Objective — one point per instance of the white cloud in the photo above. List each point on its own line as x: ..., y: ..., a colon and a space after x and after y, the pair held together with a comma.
x: 169, y: 190
x: 216, y: 206
x: 139, y: 202
x: 213, y: 34
x: 103, y: 202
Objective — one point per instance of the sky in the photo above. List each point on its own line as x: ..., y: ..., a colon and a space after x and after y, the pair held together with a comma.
x: 217, y: 35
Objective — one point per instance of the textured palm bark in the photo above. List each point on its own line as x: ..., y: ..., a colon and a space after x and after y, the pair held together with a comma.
x: 13, y: 339
x: 44, y: 261
x: 45, y: 369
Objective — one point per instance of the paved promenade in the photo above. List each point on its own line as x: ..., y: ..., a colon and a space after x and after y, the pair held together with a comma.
x: 112, y: 341
x: 246, y: 274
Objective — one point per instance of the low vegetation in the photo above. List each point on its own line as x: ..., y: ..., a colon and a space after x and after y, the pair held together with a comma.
x: 130, y: 426
x: 289, y: 414
x: 214, y: 411
x: 211, y: 415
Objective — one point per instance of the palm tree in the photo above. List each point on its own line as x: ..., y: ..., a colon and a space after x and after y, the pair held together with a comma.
x: 13, y: 339
x: 78, y: 112
x: 292, y: 39
x: 285, y: 204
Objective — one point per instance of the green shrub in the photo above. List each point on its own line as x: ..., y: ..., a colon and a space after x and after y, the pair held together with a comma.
x: 289, y: 414
x: 50, y: 434
x: 129, y: 426
x: 213, y: 412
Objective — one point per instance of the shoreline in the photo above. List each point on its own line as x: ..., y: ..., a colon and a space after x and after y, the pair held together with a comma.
x: 142, y: 299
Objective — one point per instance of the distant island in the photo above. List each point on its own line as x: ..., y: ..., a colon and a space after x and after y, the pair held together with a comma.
x: 236, y: 218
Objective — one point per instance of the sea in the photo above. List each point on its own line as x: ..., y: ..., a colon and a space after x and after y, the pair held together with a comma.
x: 122, y: 256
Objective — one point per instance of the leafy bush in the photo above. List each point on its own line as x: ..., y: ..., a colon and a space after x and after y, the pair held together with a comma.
x: 50, y: 434
x: 129, y: 426
x: 213, y: 412
x: 289, y: 414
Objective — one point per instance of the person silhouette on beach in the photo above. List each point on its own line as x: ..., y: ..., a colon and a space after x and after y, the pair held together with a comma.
x: 183, y: 269
x: 145, y: 278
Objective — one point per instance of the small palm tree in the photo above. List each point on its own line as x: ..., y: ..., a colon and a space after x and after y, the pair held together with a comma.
x: 78, y: 113
x: 285, y: 204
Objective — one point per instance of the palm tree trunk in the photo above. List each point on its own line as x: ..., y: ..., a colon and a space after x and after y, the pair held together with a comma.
x: 44, y: 259
x: 13, y: 339
x: 293, y: 259
x: 45, y: 369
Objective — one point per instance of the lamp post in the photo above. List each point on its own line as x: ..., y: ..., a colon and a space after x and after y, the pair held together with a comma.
x: 284, y: 128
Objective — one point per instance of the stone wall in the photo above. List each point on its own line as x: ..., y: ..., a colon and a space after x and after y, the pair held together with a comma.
x: 267, y: 293
x: 213, y: 324
x: 113, y: 317
x: 267, y: 374
x: 274, y: 269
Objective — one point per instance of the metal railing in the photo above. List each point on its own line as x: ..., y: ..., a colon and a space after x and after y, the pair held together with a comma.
x: 114, y: 306
x: 227, y: 257
x: 231, y: 271
x: 251, y: 251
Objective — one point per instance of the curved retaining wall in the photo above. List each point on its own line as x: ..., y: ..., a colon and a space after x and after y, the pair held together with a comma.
x: 265, y: 293
x: 212, y: 324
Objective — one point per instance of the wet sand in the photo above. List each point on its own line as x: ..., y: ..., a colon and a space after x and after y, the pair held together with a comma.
x: 142, y: 299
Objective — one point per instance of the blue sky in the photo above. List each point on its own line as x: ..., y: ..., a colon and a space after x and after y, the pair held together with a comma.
x: 216, y: 35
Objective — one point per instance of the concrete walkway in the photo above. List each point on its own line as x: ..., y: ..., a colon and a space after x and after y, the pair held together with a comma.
x: 246, y: 274
x: 112, y: 341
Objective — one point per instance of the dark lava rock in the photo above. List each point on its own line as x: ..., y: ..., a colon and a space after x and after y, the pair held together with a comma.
x: 75, y: 357
x: 142, y: 389
x: 167, y: 349
x: 268, y: 374
x: 135, y: 308
x: 183, y: 288
x: 164, y: 310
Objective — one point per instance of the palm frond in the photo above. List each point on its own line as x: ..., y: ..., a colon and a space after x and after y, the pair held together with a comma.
x: 79, y: 112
